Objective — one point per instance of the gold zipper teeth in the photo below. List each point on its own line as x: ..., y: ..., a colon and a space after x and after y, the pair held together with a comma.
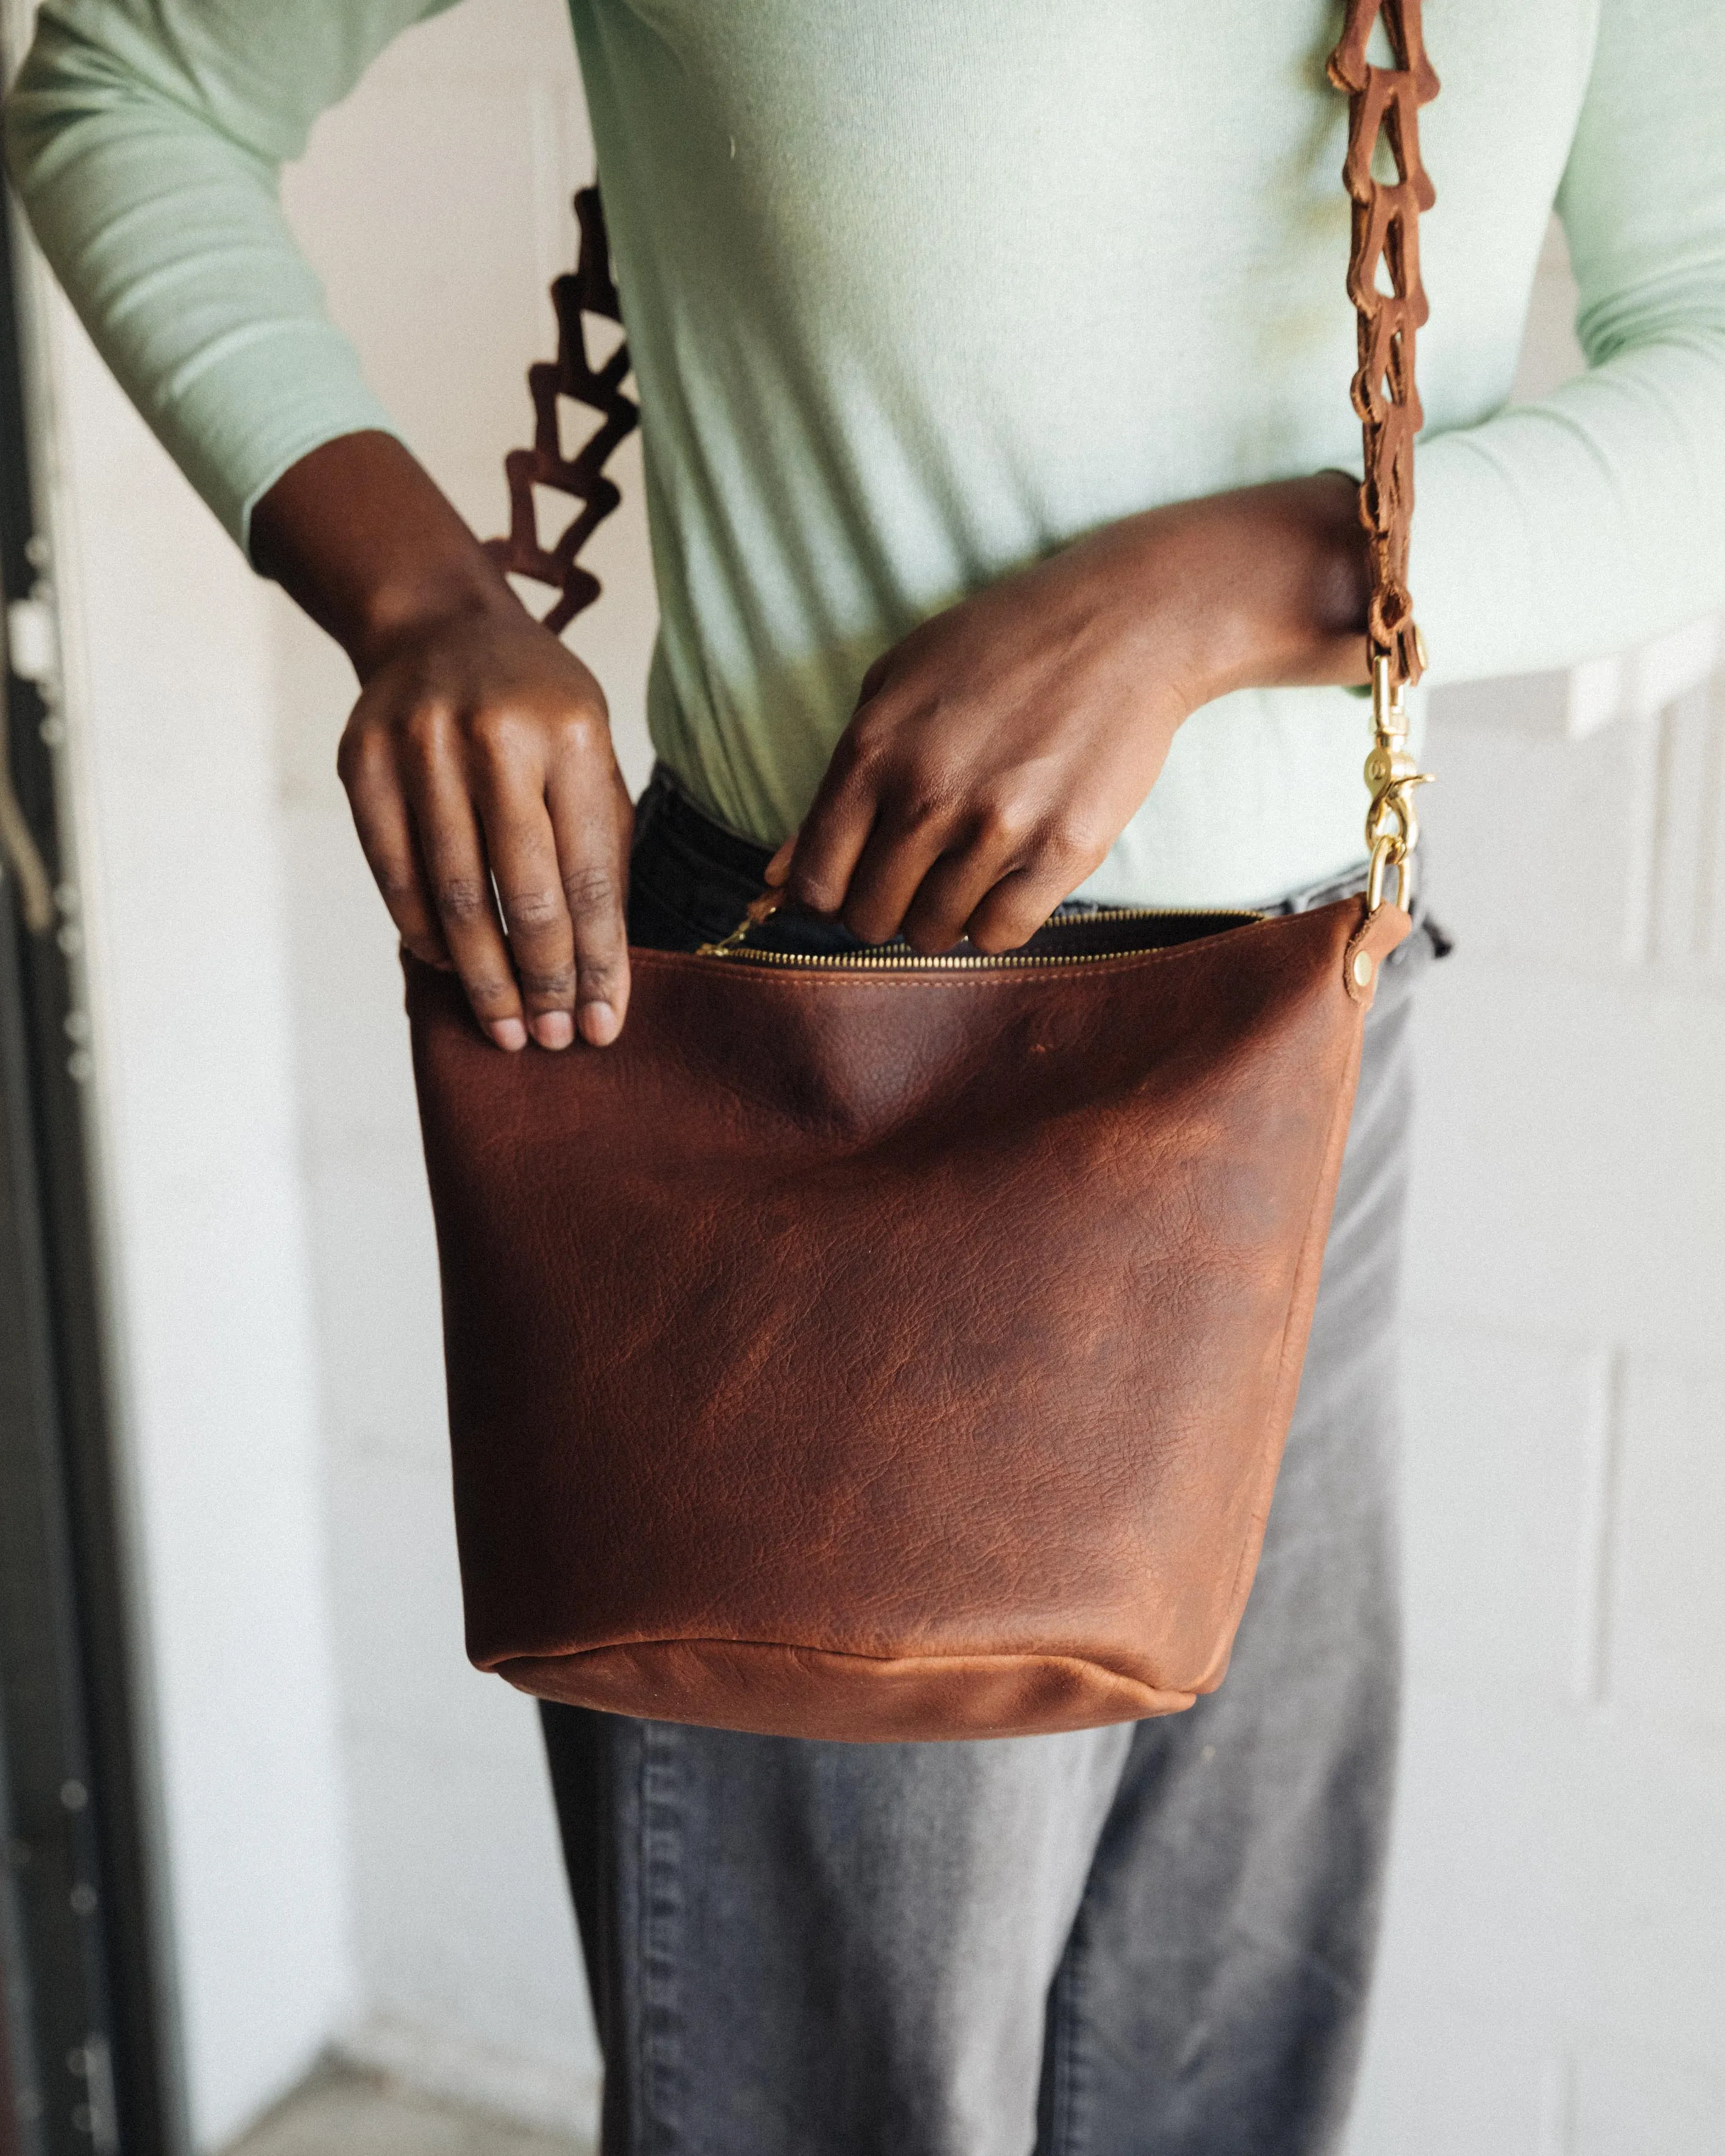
x: 908, y: 961
x: 914, y: 962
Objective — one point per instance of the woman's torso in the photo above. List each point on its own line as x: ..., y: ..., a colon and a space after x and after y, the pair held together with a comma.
x: 917, y: 289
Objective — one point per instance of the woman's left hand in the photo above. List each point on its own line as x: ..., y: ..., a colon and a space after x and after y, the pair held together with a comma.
x: 997, y: 753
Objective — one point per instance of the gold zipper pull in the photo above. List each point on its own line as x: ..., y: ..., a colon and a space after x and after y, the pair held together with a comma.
x: 761, y: 909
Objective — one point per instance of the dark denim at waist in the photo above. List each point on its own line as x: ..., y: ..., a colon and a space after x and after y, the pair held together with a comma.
x: 691, y: 880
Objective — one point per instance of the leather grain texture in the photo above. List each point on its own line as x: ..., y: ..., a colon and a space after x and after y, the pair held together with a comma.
x: 885, y: 1355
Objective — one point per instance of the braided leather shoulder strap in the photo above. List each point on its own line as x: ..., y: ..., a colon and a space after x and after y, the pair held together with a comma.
x: 588, y: 290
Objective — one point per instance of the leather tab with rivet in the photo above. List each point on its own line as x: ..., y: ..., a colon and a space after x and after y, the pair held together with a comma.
x: 1371, y: 943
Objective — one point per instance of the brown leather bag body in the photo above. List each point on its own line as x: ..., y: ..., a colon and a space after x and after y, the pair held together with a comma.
x: 880, y: 1349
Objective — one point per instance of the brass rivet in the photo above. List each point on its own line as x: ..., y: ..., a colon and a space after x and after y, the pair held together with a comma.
x: 1363, y: 967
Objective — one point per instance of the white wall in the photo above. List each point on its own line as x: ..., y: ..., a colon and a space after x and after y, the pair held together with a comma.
x: 1553, y: 1981
x: 1552, y: 1984
x: 180, y: 838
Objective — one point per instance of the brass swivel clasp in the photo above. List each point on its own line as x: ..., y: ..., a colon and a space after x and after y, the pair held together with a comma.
x: 1391, y: 773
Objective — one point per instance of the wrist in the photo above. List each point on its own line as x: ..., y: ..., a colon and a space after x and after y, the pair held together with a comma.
x: 1265, y: 587
x: 362, y: 537
x: 1304, y: 587
x: 414, y: 603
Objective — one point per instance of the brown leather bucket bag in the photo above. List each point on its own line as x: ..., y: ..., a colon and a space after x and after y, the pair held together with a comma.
x: 879, y: 1346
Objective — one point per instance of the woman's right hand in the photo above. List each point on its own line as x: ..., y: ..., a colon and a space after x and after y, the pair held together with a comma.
x: 478, y: 759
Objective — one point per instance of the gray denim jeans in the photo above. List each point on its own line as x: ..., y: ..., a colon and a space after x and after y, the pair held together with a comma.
x: 1151, y: 1940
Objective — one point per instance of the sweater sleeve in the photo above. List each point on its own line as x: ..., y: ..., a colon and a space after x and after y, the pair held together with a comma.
x: 1594, y: 518
x: 147, y: 138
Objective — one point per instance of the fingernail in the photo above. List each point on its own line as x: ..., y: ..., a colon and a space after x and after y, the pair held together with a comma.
x: 509, y: 1032
x: 779, y: 867
x: 600, y: 1024
x: 553, y: 1028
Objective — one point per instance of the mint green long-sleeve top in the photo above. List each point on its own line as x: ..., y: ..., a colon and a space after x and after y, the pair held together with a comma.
x: 918, y: 289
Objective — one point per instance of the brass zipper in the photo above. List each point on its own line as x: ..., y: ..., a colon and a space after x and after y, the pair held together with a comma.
x: 886, y: 960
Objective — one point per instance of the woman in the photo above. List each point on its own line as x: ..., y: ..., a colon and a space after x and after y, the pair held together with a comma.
x: 992, y: 361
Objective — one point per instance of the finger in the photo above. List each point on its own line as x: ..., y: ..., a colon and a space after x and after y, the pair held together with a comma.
x: 999, y: 832
x: 779, y: 867
x: 522, y: 847
x: 593, y: 838
x: 1018, y: 904
x: 386, y: 838
x: 460, y: 878
x: 834, y: 831
x: 948, y: 896
x: 899, y: 857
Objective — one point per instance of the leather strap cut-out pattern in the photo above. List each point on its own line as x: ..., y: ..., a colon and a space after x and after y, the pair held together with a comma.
x: 588, y: 290
x: 1384, y: 105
